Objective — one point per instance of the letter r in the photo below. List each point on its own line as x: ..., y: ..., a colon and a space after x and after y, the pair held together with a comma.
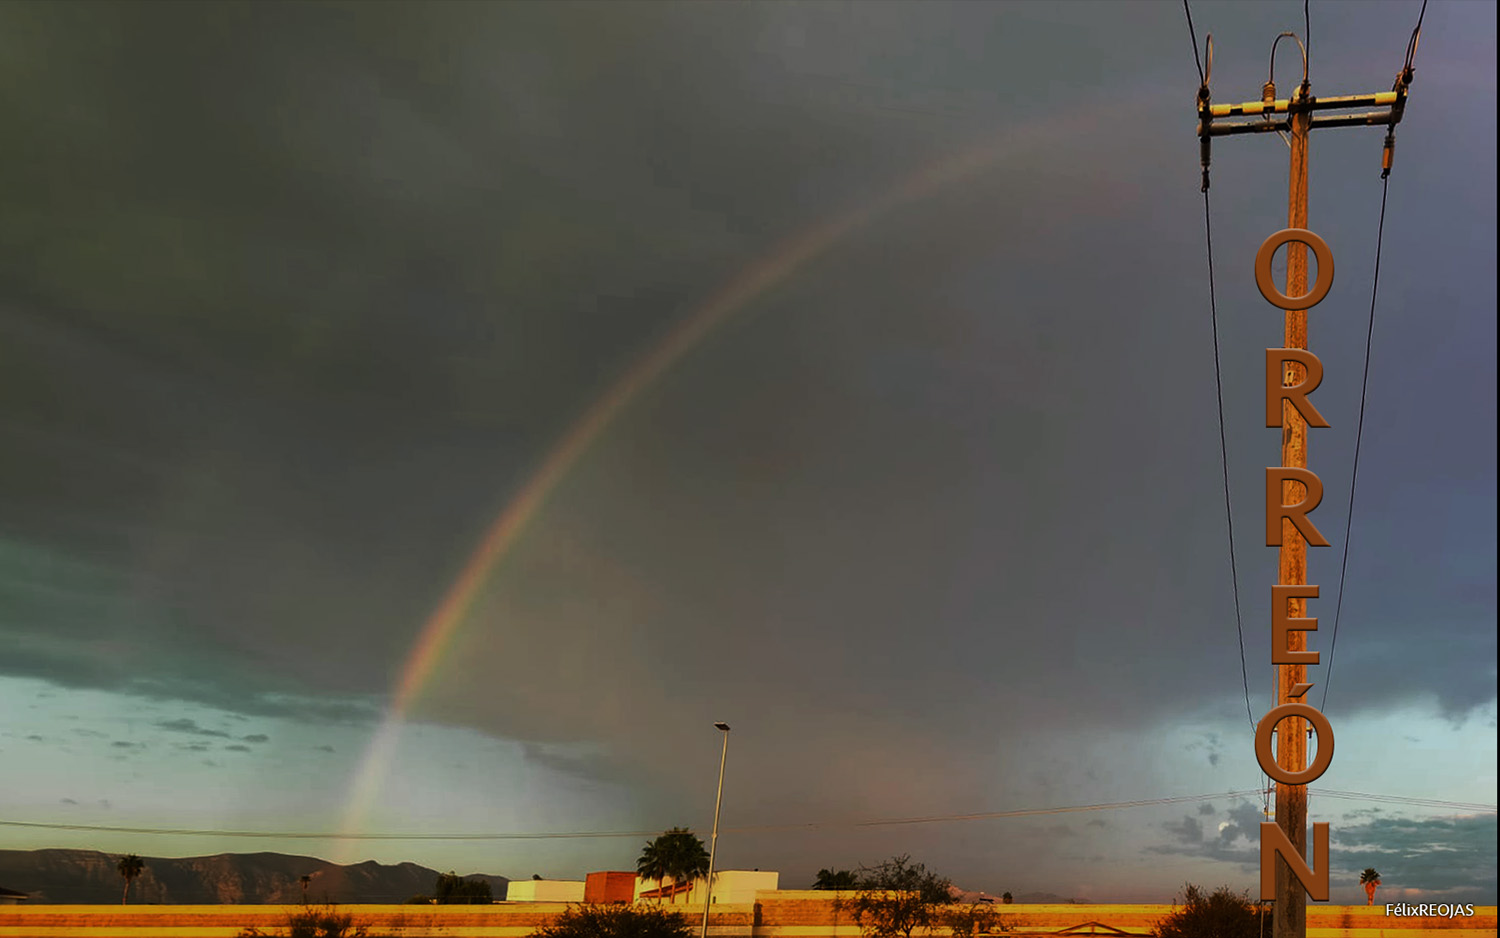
x: 1276, y: 509
x: 1278, y: 391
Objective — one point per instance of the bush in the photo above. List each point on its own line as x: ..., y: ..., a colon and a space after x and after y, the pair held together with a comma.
x: 325, y: 922
x: 977, y: 919
x: 616, y: 921
x: 1225, y: 914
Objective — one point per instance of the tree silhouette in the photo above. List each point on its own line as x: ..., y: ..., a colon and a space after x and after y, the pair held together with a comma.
x: 842, y: 879
x: 979, y: 918
x: 130, y: 866
x: 897, y: 897
x: 306, y: 881
x: 677, y: 855
x: 652, y: 864
x: 1370, y: 880
x: 453, y: 889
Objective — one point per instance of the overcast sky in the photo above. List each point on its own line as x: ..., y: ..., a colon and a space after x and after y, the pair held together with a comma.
x: 840, y: 371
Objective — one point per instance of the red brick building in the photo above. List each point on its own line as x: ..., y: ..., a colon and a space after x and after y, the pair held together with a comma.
x: 609, y: 887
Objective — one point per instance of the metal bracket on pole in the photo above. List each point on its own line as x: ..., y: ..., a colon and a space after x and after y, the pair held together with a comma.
x: 1394, y: 100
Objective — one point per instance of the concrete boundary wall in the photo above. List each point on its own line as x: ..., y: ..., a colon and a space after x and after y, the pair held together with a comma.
x: 782, y: 914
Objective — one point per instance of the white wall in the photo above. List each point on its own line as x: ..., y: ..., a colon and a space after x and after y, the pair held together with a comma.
x: 730, y: 887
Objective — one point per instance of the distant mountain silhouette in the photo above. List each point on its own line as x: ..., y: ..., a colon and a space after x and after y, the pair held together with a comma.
x: 1049, y: 898
x: 89, y: 877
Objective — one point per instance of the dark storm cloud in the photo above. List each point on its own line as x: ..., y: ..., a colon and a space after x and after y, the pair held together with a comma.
x: 255, y: 738
x: 1211, y: 744
x: 1447, y: 857
x: 1189, y: 830
x: 184, y: 725
x: 301, y: 295
x: 1244, y: 822
x: 583, y: 765
x: 104, y: 665
x: 237, y: 748
x: 1205, y: 809
x: 66, y: 801
x: 1441, y: 855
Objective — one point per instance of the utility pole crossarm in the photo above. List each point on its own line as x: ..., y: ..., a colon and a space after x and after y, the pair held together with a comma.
x: 1395, y: 100
x: 1314, y: 104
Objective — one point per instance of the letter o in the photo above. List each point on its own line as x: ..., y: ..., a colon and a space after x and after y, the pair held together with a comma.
x: 1263, y: 269
x: 1267, y: 759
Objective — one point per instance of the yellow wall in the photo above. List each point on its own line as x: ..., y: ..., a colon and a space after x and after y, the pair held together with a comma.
x: 782, y: 914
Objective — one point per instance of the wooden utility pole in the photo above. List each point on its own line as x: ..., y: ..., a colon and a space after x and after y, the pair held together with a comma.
x: 1290, y: 909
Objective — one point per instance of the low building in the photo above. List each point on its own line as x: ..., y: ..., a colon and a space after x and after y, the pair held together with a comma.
x: 610, y: 886
x: 11, y: 897
x: 545, y: 890
x: 731, y: 887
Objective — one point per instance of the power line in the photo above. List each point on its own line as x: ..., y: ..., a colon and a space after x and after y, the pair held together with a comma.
x: 1411, y: 44
x: 1234, y: 576
x: 1202, y: 79
x: 1307, y: 41
x: 578, y: 835
x: 1208, y: 237
x: 1397, y: 799
x: 1385, y: 183
x: 1359, y: 433
x: 1213, y: 306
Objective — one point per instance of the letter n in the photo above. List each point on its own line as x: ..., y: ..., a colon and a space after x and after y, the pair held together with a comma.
x: 1316, y: 883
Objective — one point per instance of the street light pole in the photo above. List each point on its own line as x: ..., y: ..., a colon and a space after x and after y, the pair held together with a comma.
x: 713, y: 843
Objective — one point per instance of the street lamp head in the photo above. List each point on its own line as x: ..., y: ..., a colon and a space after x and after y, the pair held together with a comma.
x: 722, y: 726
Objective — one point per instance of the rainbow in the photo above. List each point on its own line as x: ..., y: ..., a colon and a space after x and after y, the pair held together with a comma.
x: 774, y: 268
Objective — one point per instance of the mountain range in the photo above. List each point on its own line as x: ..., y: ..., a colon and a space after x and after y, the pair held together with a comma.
x: 90, y: 877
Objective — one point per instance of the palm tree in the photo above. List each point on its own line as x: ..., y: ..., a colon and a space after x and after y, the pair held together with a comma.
x: 688, y: 857
x: 843, y: 879
x: 652, y: 864
x: 1369, y: 879
x: 306, y: 881
x: 677, y: 855
x: 130, y: 867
